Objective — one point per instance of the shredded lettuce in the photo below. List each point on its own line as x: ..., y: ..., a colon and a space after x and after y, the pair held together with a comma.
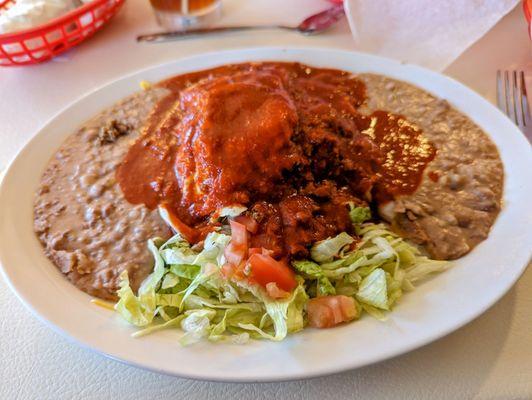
x: 380, y: 268
x: 285, y: 315
x: 311, y: 270
x: 373, y: 290
x: 232, y: 211
x: 424, y: 267
x: 326, y: 250
x: 359, y: 215
x: 132, y: 308
x: 140, y: 310
x: 196, y: 325
x: 187, y: 289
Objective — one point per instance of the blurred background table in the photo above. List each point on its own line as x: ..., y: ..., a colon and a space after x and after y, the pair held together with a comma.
x: 491, y: 358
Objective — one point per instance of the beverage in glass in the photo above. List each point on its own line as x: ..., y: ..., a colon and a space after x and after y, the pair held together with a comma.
x: 183, y: 14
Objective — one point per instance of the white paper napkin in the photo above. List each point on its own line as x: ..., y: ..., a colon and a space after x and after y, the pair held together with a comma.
x: 431, y: 33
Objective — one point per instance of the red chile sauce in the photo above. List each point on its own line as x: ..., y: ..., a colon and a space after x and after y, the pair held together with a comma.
x: 283, y: 139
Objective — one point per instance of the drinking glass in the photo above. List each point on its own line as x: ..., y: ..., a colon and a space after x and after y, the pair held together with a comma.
x: 183, y: 14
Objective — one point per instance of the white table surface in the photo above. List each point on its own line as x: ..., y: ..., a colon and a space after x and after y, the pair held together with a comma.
x: 491, y: 358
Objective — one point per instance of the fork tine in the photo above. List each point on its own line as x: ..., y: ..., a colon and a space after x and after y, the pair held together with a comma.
x: 525, y: 110
x: 507, y: 98
x: 516, y: 97
x: 500, y: 91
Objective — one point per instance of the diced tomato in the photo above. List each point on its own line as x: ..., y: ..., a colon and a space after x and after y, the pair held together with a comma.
x: 265, y: 269
x: 259, y: 250
x: 239, y: 236
x: 227, y: 270
x: 274, y: 292
x: 232, y: 272
x: 319, y: 315
x: 236, y: 250
x: 328, y: 311
x: 250, y: 224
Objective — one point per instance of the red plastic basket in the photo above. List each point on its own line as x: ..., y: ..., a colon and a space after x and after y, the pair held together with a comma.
x: 41, y: 43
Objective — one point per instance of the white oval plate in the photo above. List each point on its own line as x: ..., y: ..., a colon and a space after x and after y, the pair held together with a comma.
x: 436, y: 308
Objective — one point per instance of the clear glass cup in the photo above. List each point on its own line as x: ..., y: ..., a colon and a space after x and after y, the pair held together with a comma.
x: 183, y: 14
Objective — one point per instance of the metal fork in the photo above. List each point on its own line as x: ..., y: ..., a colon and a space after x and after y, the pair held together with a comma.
x: 512, y: 99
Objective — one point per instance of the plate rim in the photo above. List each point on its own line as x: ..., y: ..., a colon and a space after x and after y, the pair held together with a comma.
x: 272, y: 377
